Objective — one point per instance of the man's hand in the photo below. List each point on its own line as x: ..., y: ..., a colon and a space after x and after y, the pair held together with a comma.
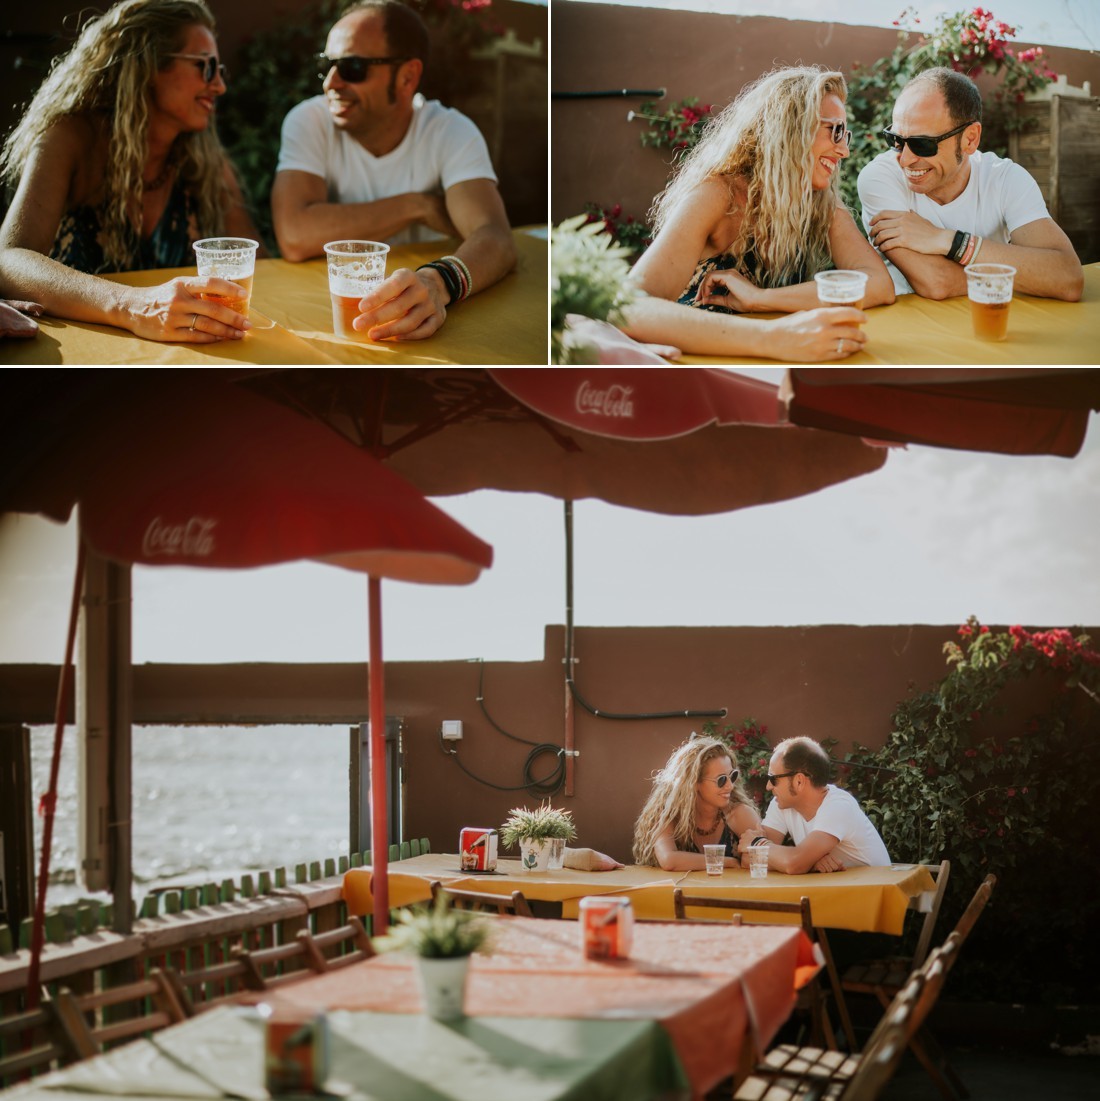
x: 829, y: 863
x: 409, y: 305
x: 892, y: 229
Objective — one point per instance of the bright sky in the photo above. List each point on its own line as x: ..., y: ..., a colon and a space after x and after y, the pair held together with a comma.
x: 931, y: 538
x: 1073, y: 23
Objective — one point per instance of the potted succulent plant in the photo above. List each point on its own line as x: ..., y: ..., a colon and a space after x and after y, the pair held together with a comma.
x: 533, y: 830
x: 442, y: 939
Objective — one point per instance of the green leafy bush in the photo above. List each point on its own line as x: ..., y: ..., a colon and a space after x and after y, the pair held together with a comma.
x: 967, y: 774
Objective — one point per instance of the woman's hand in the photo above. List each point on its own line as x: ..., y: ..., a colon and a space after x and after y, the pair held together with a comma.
x: 815, y: 336
x: 16, y: 318
x: 730, y: 289
x: 177, y: 311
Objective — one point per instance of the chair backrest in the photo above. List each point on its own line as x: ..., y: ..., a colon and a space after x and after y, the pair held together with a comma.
x: 515, y: 903
x: 940, y: 873
x: 94, y: 1021
x: 974, y: 911
x: 885, y: 1048
x: 737, y: 908
x: 337, y: 948
x: 282, y: 963
x: 32, y: 1041
x: 205, y: 987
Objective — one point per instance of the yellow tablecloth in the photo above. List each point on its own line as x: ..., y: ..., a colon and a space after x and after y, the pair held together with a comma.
x: 918, y: 330
x: 508, y: 323
x: 860, y: 899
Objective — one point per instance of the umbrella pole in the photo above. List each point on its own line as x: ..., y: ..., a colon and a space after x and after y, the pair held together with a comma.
x: 379, y: 834
x: 570, y: 731
x: 49, y: 799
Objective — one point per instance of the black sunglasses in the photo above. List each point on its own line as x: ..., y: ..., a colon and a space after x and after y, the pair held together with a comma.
x: 207, y: 64
x: 781, y: 776
x: 726, y: 777
x: 840, y: 134
x: 923, y: 146
x: 353, y: 69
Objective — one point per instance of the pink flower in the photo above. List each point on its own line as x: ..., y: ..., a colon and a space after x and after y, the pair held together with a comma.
x: 1011, y: 793
x: 971, y: 753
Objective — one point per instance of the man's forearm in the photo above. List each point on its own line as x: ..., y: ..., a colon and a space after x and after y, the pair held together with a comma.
x: 304, y: 235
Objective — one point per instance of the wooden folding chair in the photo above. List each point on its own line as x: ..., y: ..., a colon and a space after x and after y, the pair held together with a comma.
x: 790, y: 1060
x: 337, y: 948
x: 812, y: 996
x: 204, y: 988
x: 484, y: 901
x: 98, y: 1020
x: 884, y: 977
x: 34, y: 1040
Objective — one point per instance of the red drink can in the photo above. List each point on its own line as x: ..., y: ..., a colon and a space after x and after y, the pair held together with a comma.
x: 477, y: 848
x: 296, y: 1056
x: 607, y: 927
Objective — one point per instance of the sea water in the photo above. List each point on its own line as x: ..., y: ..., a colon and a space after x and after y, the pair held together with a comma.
x: 208, y: 803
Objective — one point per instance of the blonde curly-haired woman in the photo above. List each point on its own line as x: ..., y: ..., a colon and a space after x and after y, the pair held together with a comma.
x: 118, y: 168
x: 753, y: 212
x: 697, y: 799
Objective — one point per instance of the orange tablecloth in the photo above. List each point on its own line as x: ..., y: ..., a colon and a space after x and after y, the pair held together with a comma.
x: 709, y: 985
x: 508, y: 323
x: 860, y: 899
x: 918, y: 330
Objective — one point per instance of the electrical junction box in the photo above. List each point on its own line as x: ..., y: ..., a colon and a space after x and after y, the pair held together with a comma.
x: 452, y: 730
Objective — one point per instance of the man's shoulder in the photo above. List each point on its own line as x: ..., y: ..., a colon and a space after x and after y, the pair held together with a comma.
x: 996, y: 171
x: 840, y: 796
x: 430, y: 118
x: 310, y: 112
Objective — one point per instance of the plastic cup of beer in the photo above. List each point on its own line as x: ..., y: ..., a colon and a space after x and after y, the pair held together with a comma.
x: 232, y: 258
x: 758, y: 860
x: 355, y: 268
x: 989, y: 288
x: 841, y: 288
x: 715, y: 856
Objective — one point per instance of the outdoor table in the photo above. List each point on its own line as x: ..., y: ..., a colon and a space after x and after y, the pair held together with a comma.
x: 919, y: 330
x: 858, y: 899
x: 720, y: 992
x: 507, y: 323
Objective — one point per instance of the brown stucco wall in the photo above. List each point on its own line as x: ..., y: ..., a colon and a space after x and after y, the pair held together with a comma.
x: 840, y: 682
x: 595, y: 154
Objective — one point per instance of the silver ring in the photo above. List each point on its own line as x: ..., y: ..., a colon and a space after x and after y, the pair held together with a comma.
x: 194, y: 318
x: 839, y: 344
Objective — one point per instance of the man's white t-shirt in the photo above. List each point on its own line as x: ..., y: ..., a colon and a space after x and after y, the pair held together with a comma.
x: 441, y: 148
x: 999, y: 197
x: 840, y: 815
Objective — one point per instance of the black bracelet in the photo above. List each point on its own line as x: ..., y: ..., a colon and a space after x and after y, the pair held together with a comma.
x: 958, y: 243
x: 450, y: 280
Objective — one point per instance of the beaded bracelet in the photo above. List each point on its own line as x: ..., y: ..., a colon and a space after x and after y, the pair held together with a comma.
x: 461, y: 265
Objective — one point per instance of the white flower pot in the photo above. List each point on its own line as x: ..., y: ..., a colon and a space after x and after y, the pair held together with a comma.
x: 534, y: 856
x: 443, y: 986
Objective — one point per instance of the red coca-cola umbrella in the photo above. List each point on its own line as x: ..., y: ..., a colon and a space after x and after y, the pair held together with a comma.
x: 212, y: 475
x: 1014, y: 410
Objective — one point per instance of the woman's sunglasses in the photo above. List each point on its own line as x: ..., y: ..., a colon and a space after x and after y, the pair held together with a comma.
x: 922, y: 146
x: 839, y: 132
x: 725, y: 778
x: 208, y: 65
x: 353, y: 69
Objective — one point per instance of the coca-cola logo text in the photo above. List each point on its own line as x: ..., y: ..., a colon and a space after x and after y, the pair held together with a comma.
x: 615, y: 401
x: 194, y: 538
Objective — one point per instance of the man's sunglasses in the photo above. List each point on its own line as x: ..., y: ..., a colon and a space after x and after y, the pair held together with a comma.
x: 839, y: 132
x: 923, y: 146
x: 726, y: 777
x: 353, y: 69
x: 779, y: 776
x: 208, y: 65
